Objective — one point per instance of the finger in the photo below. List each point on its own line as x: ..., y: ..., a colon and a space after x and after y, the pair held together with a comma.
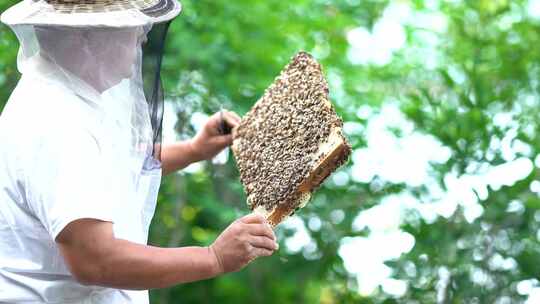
x: 216, y: 122
x: 213, y: 123
x: 253, y: 218
x: 263, y: 242
x: 235, y: 116
x: 260, y: 252
x: 230, y: 119
x: 262, y: 230
x: 222, y: 141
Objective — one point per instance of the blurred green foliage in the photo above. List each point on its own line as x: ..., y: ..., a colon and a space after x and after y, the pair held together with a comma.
x: 226, y: 53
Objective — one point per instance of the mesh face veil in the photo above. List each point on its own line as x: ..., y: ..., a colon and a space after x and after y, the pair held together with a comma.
x: 153, y: 88
x: 115, y: 71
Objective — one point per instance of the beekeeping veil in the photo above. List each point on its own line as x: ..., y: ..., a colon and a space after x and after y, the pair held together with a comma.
x: 107, y: 52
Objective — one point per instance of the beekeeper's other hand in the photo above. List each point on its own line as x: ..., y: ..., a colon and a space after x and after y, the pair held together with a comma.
x: 243, y: 241
x: 213, y: 136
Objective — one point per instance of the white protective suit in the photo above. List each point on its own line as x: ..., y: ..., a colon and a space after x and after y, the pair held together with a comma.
x: 76, y: 141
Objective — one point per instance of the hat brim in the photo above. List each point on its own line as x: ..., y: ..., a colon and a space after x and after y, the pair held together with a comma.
x: 45, y: 14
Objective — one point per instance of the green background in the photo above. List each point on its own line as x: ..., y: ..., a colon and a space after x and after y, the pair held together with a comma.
x: 471, y: 85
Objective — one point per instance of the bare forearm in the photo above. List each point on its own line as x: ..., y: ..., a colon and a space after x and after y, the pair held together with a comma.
x: 177, y: 156
x: 135, y: 266
x: 95, y: 257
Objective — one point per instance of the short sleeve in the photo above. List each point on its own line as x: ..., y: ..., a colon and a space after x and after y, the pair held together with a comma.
x: 66, y: 179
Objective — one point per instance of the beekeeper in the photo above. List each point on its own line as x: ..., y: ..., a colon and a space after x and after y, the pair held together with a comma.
x: 81, y: 159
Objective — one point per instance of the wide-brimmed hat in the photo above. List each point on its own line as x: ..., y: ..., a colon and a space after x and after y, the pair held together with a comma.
x: 91, y: 13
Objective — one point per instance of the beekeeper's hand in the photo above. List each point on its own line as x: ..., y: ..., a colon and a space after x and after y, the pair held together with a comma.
x: 243, y: 241
x: 215, y: 135
x: 211, y: 139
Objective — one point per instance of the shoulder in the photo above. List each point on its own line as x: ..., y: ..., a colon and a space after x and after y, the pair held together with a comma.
x: 40, y: 111
x: 41, y: 133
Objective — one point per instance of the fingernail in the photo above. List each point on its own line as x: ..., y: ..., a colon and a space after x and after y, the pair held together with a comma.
x: 277, y: 246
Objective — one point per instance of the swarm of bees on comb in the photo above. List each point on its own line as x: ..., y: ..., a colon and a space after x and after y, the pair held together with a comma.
x: 290, y: 141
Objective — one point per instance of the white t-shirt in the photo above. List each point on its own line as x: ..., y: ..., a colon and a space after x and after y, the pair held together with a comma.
x: 59, y: 161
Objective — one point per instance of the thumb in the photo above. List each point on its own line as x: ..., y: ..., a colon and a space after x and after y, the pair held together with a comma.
x: 223, y: 141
